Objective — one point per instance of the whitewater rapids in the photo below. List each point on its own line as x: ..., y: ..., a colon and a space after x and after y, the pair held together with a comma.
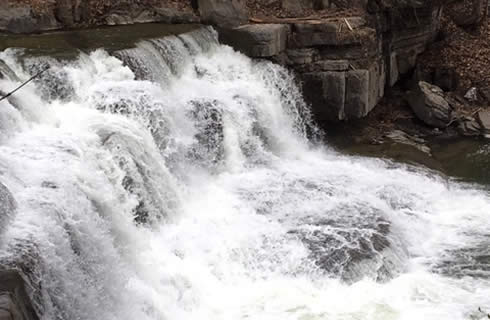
x: 181, y: 180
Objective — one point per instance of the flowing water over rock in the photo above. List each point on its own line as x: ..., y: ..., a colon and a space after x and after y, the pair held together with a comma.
x: 178, y: 179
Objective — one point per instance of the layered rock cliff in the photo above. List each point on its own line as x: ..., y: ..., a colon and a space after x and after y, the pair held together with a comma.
x: 346, y: 53
x: 345, y: 62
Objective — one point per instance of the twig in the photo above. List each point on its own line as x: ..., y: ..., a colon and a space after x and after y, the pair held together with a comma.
x: 22, y: 85
x: 348, y: 24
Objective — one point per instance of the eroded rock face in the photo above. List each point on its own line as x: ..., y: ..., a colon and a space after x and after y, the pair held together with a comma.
x: 257, y: 40
x: 226, y: 13
x: 430, y: 106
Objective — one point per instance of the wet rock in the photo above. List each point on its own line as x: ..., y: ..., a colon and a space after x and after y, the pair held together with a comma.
x: 353, y: 243
x: 469, y: 127
x: 404, y: 138
x: 144, y: 178
x: 484, y: 121
x: 430, y: 106
x: 7, y: 207
x: 6, y: 72
x: 225, y: 13
x: 325, y: 91
x: 257, y: 40
x: 357, y: 94
x: 208, y: 117
x: 466, y: 262
x: 15, y: 303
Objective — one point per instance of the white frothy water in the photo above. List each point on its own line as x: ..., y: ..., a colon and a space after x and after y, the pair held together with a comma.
x: 186, y: 188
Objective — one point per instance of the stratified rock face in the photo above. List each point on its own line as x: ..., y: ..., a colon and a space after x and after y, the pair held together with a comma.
x: 430, y: 106
x: 344, y: 64
x: 258, y: 40
x: 15, y: 304
x: 226, y: 13
x: 7, y: 207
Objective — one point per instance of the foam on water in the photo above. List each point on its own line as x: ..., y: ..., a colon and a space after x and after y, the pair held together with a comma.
x: 175, y: 180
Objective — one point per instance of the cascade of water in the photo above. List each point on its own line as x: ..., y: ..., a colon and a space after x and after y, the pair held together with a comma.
x: 175, y: 180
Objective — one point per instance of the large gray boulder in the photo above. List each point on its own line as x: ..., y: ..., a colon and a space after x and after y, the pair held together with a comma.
x: 224, y: 13
x: 430, y: 106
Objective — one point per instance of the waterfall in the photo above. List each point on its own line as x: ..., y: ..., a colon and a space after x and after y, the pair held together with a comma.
x: 179, y: 179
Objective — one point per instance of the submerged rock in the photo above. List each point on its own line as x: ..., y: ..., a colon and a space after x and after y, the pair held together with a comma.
x: 404, y: 138
x: 353, y: 243
x: 469, y: 127
x: 15, y: 303
x: 430, y: 106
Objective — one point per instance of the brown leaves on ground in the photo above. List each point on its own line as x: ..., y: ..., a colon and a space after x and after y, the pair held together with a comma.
x: 468, y: 52
x: 97, y: 8
x: 274, y: 9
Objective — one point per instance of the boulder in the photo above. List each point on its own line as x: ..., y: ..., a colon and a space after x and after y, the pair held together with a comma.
x: 225, y: 13
x: 430, y: 106
x: 257, y: 40
x: 469, y: 127
x: 483, y: 118
x: 15, y: 303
